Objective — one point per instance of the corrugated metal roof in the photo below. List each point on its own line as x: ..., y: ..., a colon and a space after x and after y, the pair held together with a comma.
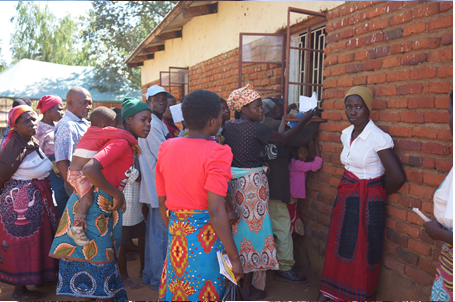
x: 33, y: 79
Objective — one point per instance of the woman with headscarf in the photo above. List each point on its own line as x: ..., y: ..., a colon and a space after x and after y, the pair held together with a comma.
x: 16, y: 102
x: 51, y: 107
x: 249, y: 187
x: 441, y: 228
x: 27, y: 214
x: 354, y: 245
x: 91, y: 271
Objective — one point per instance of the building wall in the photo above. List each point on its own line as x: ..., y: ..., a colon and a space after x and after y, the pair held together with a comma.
x: 202, y: 38
x: 402, y: 51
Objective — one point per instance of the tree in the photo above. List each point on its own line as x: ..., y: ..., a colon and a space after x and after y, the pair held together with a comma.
x: 39, y: 35
x: 3, y: 65
x: 112, y: 30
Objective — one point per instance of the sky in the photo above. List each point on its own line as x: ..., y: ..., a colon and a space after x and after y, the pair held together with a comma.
x: 58, y: 8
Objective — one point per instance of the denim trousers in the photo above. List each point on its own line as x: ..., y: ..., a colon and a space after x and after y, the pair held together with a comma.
x: 156, y: 235
x: 58, y: 188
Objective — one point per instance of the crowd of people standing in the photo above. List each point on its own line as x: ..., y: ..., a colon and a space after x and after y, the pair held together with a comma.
x: 186, y: 194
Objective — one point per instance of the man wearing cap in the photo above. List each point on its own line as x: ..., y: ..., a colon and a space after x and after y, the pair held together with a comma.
x: 280, y: 189
x: 68, y: 132
x: 156, y: 231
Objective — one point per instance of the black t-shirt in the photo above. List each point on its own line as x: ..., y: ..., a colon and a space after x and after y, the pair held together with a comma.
x: 247, y: 141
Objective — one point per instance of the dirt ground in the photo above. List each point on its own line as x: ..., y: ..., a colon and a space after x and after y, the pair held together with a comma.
x: 276, y: 291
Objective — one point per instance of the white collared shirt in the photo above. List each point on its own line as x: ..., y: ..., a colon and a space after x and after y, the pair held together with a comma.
x: 361, y: 158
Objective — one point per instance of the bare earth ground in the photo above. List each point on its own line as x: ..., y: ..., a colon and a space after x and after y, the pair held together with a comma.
x: 276, y: 291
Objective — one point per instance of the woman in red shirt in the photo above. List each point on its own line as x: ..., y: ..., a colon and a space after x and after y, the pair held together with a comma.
x: 191, y: 180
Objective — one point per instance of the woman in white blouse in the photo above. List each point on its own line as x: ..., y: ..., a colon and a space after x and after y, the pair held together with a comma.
x: 441, y: 228
x: 354, y: 244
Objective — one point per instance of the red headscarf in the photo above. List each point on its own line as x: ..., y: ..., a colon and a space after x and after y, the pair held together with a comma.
x: 13, y: 114
x: 47, y: 102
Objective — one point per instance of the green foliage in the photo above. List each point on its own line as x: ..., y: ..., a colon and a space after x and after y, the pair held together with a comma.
x: 112, y: 30
x: 39, y: 35
x: 3, y: 65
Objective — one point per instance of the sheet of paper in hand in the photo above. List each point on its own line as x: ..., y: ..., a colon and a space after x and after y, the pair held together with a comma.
x: 176, y: 112
x: 306, y: 103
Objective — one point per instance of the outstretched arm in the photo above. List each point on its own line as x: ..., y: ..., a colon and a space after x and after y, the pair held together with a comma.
x: 283, y: 138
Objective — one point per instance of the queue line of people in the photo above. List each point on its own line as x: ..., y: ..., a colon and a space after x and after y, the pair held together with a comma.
x: 227, y: 186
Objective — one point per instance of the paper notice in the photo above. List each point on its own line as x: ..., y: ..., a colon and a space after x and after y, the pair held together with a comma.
x: 176, y: 112
x: 306, y: 103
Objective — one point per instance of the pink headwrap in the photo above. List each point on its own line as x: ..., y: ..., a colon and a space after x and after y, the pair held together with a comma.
x: 241, y: 97
x: 47, y: 102
x: 13, y: 114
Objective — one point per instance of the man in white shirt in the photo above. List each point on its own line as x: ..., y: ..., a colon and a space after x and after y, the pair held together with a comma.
x: 156, y: 231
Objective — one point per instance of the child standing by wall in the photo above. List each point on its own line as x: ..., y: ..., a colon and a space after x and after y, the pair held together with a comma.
x: 298, y: 168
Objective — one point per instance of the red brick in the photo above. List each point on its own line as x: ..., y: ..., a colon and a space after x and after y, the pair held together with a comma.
x: 443, y: 22
x: 345, y: 82
x: 329, y: 27
x: 338, y: 47
x: 407, y: 229
x: 374, y: 38
x: 444, y: 165
x: 414, y: 59
x: 391, y: 62
x: 385, y: 90
x: 330, y: 61
x: 349, y: 9
x: 431, y: 43
x: 407, y: 256
x: 354, y: 68
x: 414, y: 29
x: 404, y: 189
x: 427, y: 266
x: 433, y: 179
x: 330, y: 83
x: 364, y: 4
x: 372, y: 65
x: 401, y: 48
x: 395, y: 238
x: 418, y: 276
x: 421, y: 191
x: 354, y: 43
x: 407, y: 201
x: 446, y: 71
x: 410, y: 89
x: 397, y: 103
x: 429, y: 162
x: 362, y: 55
x: 425, y: 11
x: 362, y: 80
x: 400, y: 131
x: 427, y: 206
x: 445, y: 5
x: 379, y: 24
x: 390, y: 116
x: 419, y: 247
x: 414, y: 218
x: 426, y: 132
x: 346, y: 58
x: 392, y: 264
x: 442, y: 102
x: 414, y: 175
x: 348, y: 33
x: 444, y: 134
x: 436, y: 117
x: 422, y: 102
x: 435, y: 148
x: 398, y: 76
x: 401, y: 18
x: 335, y: 116
x: 440, y: 55
x: 375, y: 12
x: 377, y: 78
x: 333, y: 13
x: 447, y: 39
x: 333, y: 38
x: 409, y: 145
x: 379, y: 52
x: 437, y: 87
x: 392, y: 6
x: 357, y: 18
x: 326, y: 72
x: 361, y: 29
x: 423, y: 73
x: 338, y: 70
x: 379, y: 104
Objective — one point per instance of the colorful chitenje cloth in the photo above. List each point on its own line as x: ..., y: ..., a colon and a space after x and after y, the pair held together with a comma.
x: 253, y: 233
x: 191, y: 271
x: 90, y: 271
x: 443, y: 283
x: 355, y: 239
x: 27, y: 227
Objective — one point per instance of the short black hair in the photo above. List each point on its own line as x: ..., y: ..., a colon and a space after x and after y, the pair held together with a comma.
x: 102, y: 115
x: 199, y: 107
x: 169, y: 95
x: 222, y: 101
x: 18, y: 102
x: 27, y: 101
x: 118, y: 112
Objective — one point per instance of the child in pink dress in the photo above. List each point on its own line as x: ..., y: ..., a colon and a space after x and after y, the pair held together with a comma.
x: 298, y: 168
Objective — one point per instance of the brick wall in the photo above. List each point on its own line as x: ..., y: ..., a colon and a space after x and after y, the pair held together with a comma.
x: 402, y: 51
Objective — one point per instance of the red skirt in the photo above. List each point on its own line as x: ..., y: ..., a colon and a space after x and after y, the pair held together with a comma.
x: 354, y: 244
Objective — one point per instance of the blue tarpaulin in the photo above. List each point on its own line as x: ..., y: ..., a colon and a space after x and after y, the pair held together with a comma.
x: 33, y: 79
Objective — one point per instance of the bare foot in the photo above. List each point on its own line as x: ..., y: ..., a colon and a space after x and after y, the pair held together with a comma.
x: 129, y: 283
x: 251, y: 293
